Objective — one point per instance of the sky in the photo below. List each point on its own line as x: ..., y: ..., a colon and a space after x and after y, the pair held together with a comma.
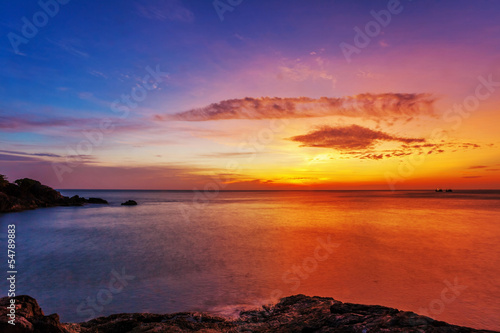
x: 251, y: 95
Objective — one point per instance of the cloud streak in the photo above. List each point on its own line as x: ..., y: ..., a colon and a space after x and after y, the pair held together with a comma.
x: 29, y: 154
x: 69, y: 127
x: 165, y: 10
x: 16, y: 124
x: 387, y: 106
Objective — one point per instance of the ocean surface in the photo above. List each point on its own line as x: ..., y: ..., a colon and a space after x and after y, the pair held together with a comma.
x: 436, y: 254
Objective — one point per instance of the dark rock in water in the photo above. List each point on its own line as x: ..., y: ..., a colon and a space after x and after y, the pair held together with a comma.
x: 129, y: 203
x: 30, y: 194
x: 97, y: 201
x: 73, y: 201
x: 292, y: 314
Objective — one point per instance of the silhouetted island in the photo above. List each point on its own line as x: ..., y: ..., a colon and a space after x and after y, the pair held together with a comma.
x: 292, y: 314
x: 27, y: 193
x: 129, y: 203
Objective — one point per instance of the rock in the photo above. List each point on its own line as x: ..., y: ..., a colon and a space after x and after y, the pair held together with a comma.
x: 292, y: 314
x: 31, y: 194
x: 73, y: 201
x: 97, y: 201
x: 129, y: 203
x: 29, y: 317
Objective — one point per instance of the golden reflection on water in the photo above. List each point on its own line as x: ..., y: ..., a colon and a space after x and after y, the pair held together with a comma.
x: 242, y: 249
x: 393, y: 251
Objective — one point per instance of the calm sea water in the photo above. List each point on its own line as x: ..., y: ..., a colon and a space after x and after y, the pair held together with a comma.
x: 432, y: 253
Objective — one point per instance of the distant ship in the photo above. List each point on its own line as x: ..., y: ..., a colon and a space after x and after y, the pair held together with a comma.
x: 441, y: 190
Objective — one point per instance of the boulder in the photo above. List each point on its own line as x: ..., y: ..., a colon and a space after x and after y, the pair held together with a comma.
x: 97, y: 201
x: 129, y: 203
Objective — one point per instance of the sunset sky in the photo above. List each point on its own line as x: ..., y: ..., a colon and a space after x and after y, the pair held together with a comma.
x: 270, y: 94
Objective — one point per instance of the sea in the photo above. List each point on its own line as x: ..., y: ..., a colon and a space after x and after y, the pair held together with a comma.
x: 436, y: 254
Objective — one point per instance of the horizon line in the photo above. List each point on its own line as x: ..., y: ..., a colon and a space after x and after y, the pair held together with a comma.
x: 267, y: 190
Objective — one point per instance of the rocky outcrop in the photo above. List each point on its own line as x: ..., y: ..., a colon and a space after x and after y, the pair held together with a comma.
x: 29, y: 317
x: 129, y: 203
x: 292, y: 314
x: 97, y: 201
x: 27, y: 193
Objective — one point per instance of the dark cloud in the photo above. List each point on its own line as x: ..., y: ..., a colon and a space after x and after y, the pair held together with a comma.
x: 478, y: 167
x: 388, y: 154
x: 471, y: 176
x: 345, y: 138
x: 16, y: 158
x: 387, y: 106
x: 470, y: 145
x: 355, y: 141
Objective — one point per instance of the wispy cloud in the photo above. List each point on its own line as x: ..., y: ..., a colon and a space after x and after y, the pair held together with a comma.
x: 69, y: 127
x: 16, y: 158
x: 95, y: 175
x: 97, y: 74
x: 299, y: 71
x: 387, y: 106
x: 29, y: 154
x: 171, y: 10
x: 229, y: 155
x: 71, y: 46
x: 17, y: 124
x: 486, y: 168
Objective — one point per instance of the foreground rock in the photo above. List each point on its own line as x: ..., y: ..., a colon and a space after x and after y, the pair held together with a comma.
x: 292, y: 314
x: 27, y: 193
x: 28, y: 317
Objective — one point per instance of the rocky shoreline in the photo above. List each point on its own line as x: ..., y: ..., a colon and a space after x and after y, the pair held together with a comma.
x: 27, y: 193
x: 292, y: 314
